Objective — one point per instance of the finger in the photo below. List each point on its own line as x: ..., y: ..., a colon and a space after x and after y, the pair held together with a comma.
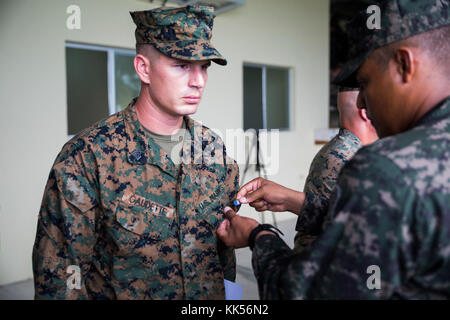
x: 262, y: 208
x: 276, y: 208
x: 229, y: 213
x: 257, y: 204
x: 258, y: 194
x: 248, y: 187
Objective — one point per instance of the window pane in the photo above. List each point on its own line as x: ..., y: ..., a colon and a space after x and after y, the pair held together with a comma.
x: 277, y: 98
x: 253, y: 98
x: 87, y: 88
x: 128, y: 83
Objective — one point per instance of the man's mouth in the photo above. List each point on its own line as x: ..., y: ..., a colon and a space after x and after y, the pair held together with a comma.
x: 192, y: 99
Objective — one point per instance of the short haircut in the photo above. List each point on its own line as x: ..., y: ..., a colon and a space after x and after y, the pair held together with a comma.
x: 436, y: 43
x: 147, y: 50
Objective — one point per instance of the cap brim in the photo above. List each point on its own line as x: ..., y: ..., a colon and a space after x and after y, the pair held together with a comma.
x: 347, y: 76
x: 191, y: 50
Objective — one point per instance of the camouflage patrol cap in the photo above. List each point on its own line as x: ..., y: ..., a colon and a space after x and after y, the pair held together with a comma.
x: 399, y: 20
x: 182, y: 33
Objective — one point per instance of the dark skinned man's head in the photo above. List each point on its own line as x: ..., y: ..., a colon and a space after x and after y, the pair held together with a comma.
x: 403, y: 68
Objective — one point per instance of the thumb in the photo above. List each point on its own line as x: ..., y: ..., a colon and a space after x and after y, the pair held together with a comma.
x: 223, y: 232
x: 223, y: 228
x: 229, y: 213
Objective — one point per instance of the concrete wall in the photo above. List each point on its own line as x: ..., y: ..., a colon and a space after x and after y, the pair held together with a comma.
x: 33, y: 122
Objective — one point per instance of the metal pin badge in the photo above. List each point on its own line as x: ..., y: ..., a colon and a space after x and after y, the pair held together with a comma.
x: 236, y: 205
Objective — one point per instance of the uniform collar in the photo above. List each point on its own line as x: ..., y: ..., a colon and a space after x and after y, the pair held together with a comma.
x: 438, y: 112
x: 140, y: 152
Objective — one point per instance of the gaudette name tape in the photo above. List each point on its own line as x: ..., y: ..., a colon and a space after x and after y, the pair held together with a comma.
x: 154, y: 207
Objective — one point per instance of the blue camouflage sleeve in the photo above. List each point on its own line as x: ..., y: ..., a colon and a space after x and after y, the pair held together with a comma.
x: 368, y: 228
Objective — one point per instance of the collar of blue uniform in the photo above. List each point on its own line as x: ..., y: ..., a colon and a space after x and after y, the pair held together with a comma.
x: 139, y: 152
x: 441, y: 110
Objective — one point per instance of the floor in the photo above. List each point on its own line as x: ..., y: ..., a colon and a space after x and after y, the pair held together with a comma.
x: 23, y: 290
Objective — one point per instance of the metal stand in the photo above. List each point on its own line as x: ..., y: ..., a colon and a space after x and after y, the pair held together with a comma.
x: 259, y: 167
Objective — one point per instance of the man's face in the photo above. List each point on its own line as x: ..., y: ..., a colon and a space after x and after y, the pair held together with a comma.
x: 176, y: 86
x: 380, y: 93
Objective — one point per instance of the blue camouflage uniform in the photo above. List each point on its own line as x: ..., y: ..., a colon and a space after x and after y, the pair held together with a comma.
x: 387, y: 230
x: 391, y: 210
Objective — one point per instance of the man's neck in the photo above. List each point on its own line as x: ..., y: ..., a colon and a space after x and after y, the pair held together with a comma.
x: 361, y: 133
x: 155, y: 119
x: 429, y: 101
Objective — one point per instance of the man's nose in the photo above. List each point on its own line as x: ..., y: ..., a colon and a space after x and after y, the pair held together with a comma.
x: 197, y: 77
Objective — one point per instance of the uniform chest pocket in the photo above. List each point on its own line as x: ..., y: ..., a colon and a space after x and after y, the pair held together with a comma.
x: 150, y: 222
x: 214, y: 219
x: 211, y: 199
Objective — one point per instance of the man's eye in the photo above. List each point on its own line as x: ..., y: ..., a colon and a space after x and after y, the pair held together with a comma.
x: 182, y: 66
x: 205, y: 66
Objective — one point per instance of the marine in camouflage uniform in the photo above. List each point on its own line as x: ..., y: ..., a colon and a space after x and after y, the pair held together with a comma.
x: 389, y: 217
x: 320, y: 183
x: 116, y: 210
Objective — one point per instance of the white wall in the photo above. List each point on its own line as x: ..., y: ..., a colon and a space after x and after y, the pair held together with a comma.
x: 33, y: 124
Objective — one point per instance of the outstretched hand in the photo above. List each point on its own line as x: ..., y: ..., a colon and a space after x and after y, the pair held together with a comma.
x: 265, y: 195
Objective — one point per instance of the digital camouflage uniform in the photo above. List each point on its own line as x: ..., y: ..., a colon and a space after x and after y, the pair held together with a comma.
x: 320, y: 183
x: 115, y: 209
x: 390, y: 213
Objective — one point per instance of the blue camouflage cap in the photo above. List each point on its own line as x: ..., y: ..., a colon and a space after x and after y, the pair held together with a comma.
x: 182, y: 33
x: 400, y: 19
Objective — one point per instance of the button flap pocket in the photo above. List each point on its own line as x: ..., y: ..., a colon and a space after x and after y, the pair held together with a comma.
x: 144, y: 217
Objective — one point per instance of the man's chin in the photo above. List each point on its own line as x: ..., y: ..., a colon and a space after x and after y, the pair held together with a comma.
x: 187, y: 110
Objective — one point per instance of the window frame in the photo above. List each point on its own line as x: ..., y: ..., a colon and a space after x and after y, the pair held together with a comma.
x: 110, y: 70
x: 290, y: 96
x: 111, y: 67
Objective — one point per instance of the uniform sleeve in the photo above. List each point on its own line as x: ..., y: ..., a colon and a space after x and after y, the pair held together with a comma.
x: 364, y: 240
x: 320, y: 184
x: 66, y: 232
x: 318, y: 188
x: 227, y: 255
x: 313, y: 213
x: 311, y: 219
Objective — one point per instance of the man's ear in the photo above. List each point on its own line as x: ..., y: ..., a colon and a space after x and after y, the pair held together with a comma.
x: 404, y: 60
x: 142, y: 67
x: 363, y: 114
